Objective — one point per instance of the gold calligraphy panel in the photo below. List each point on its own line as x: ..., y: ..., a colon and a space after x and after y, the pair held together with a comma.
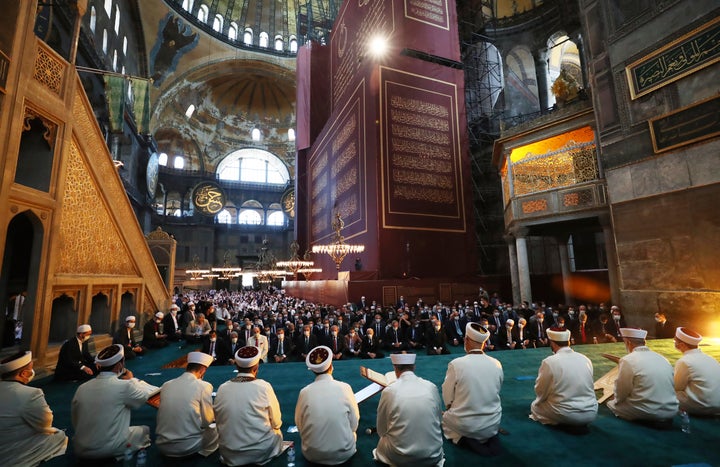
x: 421, y: 157
x: 688, y: 125
x: 208, y: 198
x: 432, y: 12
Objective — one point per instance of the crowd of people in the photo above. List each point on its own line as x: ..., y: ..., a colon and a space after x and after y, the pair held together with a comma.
x: 250, y: 329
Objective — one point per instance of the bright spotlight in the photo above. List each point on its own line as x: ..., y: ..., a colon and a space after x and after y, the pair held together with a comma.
x: 378, y: 46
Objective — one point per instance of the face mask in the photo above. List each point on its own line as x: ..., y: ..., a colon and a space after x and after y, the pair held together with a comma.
x: 658, y: 320
x: 352, y: 334
x: 213, y: 339
x: 327, y: 326
x: 457, y: 318
x: 571, y: 313
x: 540, y: 320
x: 32, y: 375
x: 131, y: 325
x: 497, y: 313
x: 561, y: 325
x: 234, y: 340
x: 437, y: 328
x: 281, y: 336
x: 257, y: 334
x: 307, y: 333
x: 616, y: 317
x: 334, y: 334
x: 377, y: 320
x: 85, y: 338
x: 555, y: 315
x: 521, y: 325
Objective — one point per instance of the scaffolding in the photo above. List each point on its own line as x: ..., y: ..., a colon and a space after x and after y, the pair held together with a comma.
x: 315, y: 20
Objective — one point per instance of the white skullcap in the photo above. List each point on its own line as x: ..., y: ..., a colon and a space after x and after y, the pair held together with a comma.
x: 475, y: 332
x: 247, y: 357
x: 403, y: 358
x: 319, y: 359
x: 159, y: 314
x: 174, y: 307
x: 110, y: 355
x: 688, y: 336
x: 634, y: 333
x: 84, y: 328
x: 201, y: 358
x: 191, y: 303
x: 15, y: 362
x: 130, y: 318
x: 558, y: 335
x: 511, y: 321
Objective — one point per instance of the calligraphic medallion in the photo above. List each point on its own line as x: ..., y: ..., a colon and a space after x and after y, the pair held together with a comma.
x: 288, y: 202
x: 208, y: 198
x: 151, y: 175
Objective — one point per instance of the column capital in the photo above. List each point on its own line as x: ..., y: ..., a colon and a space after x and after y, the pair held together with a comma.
x: 519, y: 232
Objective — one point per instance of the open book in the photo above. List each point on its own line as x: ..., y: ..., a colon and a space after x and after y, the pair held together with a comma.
x: 606, y: 383
x: 379, y: 382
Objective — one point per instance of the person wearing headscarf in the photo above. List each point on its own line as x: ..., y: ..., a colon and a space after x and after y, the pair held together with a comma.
x: 697, y: 376
x: 248, y: 414
x: 101, y: 407
x: 409, y: 419
x: 328, y: 435
x: 28, y: 437
x: 471, y: 392
x: 564, y: 387
x: 74, y: 360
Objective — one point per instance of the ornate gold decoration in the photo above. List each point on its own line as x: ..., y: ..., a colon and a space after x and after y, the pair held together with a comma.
x: 345, y: 133
x: 420, y: 193
x: 565, y: 87
x: 421, y: 150
x: 50, y: 126
x: 288, y: 202
x: 565, y: 167
x: 295, y: 264
x: 412, y: 118
x: 158, y: 234
x: 345, y: 157
x: 416, y: 105
x: 89, y: 239
x: 420, y: 134
x: 48, y: 70
x: 423, y: 179
x: 338, y: 250
x: 347, y: 181
x: 536, y: 205
x: 208, y: 198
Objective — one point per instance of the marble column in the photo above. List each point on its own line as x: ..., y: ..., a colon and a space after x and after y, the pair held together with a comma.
x: 523, y: 265
x: 562, y: 243
x: 541, y: 73
x: 578, y: 40
x: 612, y: 258
x: 510, y: 240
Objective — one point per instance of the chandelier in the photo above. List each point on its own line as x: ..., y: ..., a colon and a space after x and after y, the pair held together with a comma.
x: 295, y: 264
x: 338, y: 249
x: 196, y: 273
x: 226, y: 272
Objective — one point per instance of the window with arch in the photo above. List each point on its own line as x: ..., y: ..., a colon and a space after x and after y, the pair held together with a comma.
x: 187, y: 5
x: 250, y: 213
x: 224, y: 217
x: 115, y: 60
x: 105, y: 41
x: 275, y: 216
x: 179, y: 162
x: 248, y: 37
x: 125, y: 45
x: 218, y: 23
x: 293, y: 44
x: 173, y: 204
x: 233, y: 31
x: 291, y: 134
x: 93, y: 18
x: 117, y: 19
x: 256, y: 134
x: 163, y: 159
x: 264, y: 39
x: 108, y: 7
x: 122, y: 70
x: 203, y: 13
x: 253, y: 165
x: 279, y: 43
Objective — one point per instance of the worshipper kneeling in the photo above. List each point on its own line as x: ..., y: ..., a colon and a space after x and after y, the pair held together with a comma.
x: 248, y: 414
x: 154, y: 336
x: 74, y: 360
x: 697, y: 376
x: 471, y: 392
x: 101, y: 410
x: 126, y: 338
x: 408, y: 419
x: 185, y: 418
x: 644, y: 390
x: 328, y: 433
x: 564, y: 387
x: 28, y: 437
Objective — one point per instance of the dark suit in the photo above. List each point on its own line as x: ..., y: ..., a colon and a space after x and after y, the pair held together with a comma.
x: 379, y: 329
x: 127, y: 340
x: 71, y: 359
x: 582, y: 333
x: 505, y: 342
x: 537, y: 332
x: 336, y: 344
x: 304, y: 345
x: 415, y: 337
x: 356, y: 346
x: 454, y: 332
x: 150, y: 340
x: 395, y: 340
x: 222, y: 352
x: 664, y: 330
x: 173, y: 332
x: 232, y: 348
x: 436, y: 341
x: 274, y: 348
x: 371, y: 346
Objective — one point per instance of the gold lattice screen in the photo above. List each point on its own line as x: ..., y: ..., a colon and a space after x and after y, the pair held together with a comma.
x: 556, y: 170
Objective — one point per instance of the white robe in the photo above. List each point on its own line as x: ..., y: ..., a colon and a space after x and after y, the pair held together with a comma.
x: 564, y: 390
x: 101, y: 417
x: 248, y: 421
x: 644, y: 389
x: 697, y: 383
x: 184, y: 418
x: 327, y: 417
x: 472, y: 390
x: 408, y: 422
x: 26, y: 430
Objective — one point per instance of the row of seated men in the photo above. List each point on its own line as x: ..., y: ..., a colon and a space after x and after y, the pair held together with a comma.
x: 244, y: 420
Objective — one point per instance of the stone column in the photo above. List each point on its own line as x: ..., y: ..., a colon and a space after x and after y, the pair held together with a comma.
x: 512, y: 251
x: 562, y: 242
x: 578, y: 40
x: 523, y: 265
x: 541, y: 72
x: 612, y: 258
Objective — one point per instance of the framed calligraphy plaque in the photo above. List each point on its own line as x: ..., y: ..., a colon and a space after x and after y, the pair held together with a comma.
x: 688, y: 54
x: 688, y: 125
x: 208, y: 198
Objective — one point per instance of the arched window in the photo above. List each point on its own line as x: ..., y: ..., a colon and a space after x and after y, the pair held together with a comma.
x: 253, y: 165
x: 203, y: 13
x: 93, y: 18
x: 130, y: 95
x: 224, y: 217
x: 264, y: 39
x: 125, y: 45
x: 187, y: 5
x: 108, y: 7
x: 117, y: 19
x: 249, y: 217
x: 179, y: 162
x: 248, y: 37
x: 115, y: 60
x: 218, y: 23
x: 122, y: 70
x: 279, y: 43
x: 233, y: 31
x: 256, y: 134
x: 173, y: 204
x: 190, y: 110
x: 162, y: 159
x: 276, y: 218
x: 291, y: 134
x: 105, y: 40
x: 293, y: 44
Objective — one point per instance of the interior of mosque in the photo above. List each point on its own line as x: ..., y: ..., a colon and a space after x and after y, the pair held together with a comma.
x: 142, y: 139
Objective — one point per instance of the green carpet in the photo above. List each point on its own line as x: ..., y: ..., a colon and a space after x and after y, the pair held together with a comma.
x: 610, y: 441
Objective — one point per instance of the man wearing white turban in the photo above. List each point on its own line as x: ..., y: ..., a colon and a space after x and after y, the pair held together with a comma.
x: 697, y: 376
